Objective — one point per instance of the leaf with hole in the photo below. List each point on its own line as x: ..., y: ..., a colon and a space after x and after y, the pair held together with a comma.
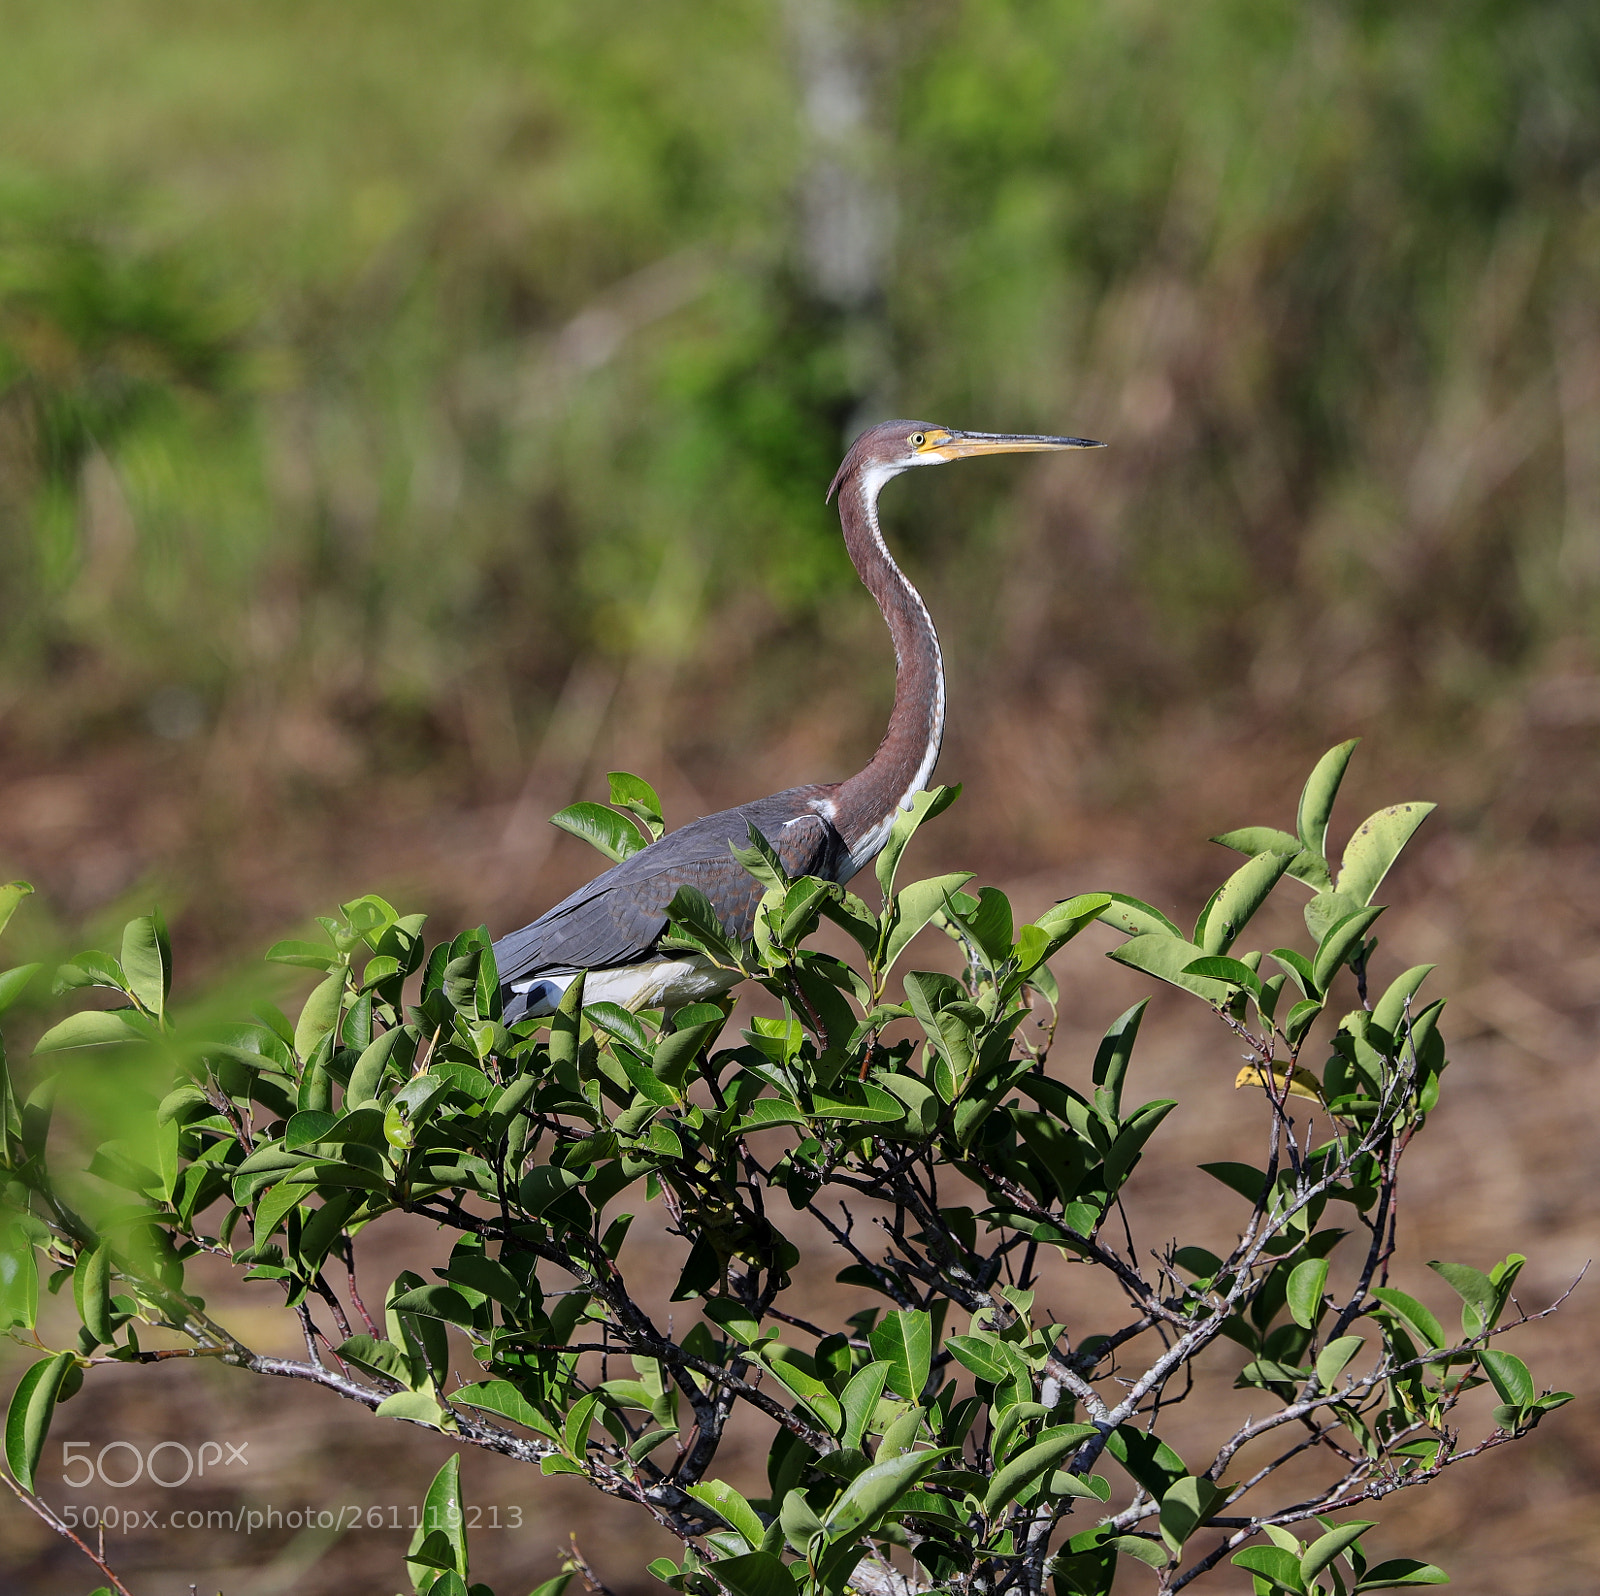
x: 1240, y: 896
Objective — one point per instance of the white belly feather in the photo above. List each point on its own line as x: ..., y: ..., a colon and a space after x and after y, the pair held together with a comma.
x: 654, y: 984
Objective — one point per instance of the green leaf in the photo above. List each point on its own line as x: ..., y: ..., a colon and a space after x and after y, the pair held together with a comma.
x: 1137, y: 919
x: 435, y: 1302
x: 1138, y: 1129
x: 1273, y: 1563
x: 913, y: 908
x: 983, y: 1358
x: 1375, y: 846
x: 272, y: 1206
x: 320, y: 1014
x: 1245, y: 1179
x: 694, y: 918
x: 91, y: 1293
x: 308, y: 1126
x: 1298, y: 966
x: 1167, y: 957
x: 1064, y: 920
x: 1304, y: 1291
x: 1140, y: 1547
x: 1185, y: 1508
x: 811, y: 1391
x: 799, y: 1521
x: 1052, y: 1445
x: 1401, y: 1573
x: 761, y: 860
x: 601, y: 828
x: 1252, y: 840
x: 924, y: 806
x: 1476, y: 1290
x: 1242, y: 894
x: 147, y: 961
x: 488, y: 1275
x: 19, y: 1273
x: 1335, y: 1358
x: 1510, y: 1377
x: 731, y: 1508
x: 1338, y: 943
x: 379, y: 1357
x: 753, y: 1574
x: 500, y: 1396
x: 1414, y: 1314
x: 766, y: 1112
x: 91, y: 1028
x: 676, y: 1052
x: 1392, y: 1007
x: 1325, y: 1548
x: 28, y: 1417
x: 11, y: 894
x: 904, y: 1341
x: 875, y: 1490
x: 1325, y: 910
x: 1298, y: 1020
x: 1217, y: 968
x: 1316, y: 799
x: 1147, y: 1458
x: 1112, y: 1057
x: 366, y: 1077
x: 638, y: 797
x: 14, y: 982
x: 304, y: 955
x: 1096, y: 1488
x: 441, y: 1512
x: 859, y: 1400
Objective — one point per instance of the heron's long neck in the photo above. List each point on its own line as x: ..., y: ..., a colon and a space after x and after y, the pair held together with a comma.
x: 866, y: 804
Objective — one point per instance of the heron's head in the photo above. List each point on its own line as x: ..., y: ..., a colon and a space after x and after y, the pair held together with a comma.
x: 891, y: 447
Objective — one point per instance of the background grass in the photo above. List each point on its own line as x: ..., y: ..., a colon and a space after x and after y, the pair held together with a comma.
x: 408, y: 412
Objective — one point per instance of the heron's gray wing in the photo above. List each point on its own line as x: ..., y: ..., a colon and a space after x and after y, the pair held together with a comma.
x: 618, y: 917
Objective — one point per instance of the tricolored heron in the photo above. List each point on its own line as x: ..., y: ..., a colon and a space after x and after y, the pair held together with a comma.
x: 611, y: 926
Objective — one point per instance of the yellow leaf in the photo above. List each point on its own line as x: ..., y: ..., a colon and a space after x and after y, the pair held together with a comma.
x: 1302, y: 1083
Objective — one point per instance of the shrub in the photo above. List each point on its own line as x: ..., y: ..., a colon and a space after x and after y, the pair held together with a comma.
x: 953, y: 1437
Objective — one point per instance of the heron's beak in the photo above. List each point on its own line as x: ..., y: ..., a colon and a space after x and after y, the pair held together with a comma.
x: 963, y: 445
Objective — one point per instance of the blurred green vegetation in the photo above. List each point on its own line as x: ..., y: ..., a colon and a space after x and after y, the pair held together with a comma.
x: 390, y: 358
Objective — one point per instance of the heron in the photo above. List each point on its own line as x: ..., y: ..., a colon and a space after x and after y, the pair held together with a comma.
x: 611, y: 927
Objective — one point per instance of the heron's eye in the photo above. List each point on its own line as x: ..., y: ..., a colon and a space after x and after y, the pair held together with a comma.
x: 918, y: 439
